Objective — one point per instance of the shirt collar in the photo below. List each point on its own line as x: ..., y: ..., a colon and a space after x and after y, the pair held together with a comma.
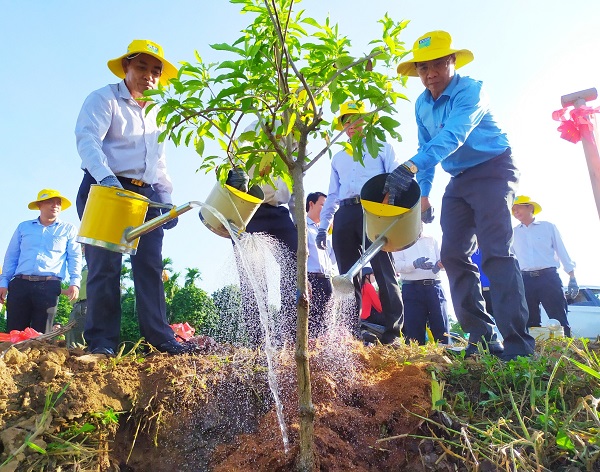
x: 310, y: 221
x: 124, y: 92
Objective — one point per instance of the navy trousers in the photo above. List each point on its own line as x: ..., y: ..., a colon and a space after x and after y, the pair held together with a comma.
x: 476, y: 208
x: 274, y: 221
x: 103, y: 321
x: 347, y: 245
x: 423, y: 305
x: 547, y: 290
x: 32, y: 304
x: 320, y: 295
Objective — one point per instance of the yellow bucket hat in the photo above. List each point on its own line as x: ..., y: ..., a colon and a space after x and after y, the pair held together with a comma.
x: 430, y: 46
x: 144, y: 46
x: 47, y: 194
x: 525, y: 200
x: 350, y: 108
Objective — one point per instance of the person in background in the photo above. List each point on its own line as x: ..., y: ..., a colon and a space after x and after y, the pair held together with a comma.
x: 39, y: 256
x: 457, y: 129
x: 119, y: 148
x: 319, y: 267
x: 424, y: 299
x: 348, y: 175
x: 540, y: 250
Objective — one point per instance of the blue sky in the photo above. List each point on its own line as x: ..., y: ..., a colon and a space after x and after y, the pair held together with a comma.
x: 528, y: 53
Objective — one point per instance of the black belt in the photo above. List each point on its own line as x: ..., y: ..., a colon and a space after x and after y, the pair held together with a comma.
x: 350, y: 201
x: 319, y: 275
x: 37, y: 278
x: 422, y: 282
x: 537, y: 273
x: 136, y: 182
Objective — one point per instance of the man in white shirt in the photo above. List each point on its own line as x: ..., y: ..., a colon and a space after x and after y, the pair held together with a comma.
x: 422, y: 292
x: 540, y: 250
x: 348, y: 175
x: 118, y: 145
x: 319, y: 266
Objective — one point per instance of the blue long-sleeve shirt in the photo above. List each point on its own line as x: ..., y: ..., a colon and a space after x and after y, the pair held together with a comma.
x: 36, y: 249
x: 458, y: 130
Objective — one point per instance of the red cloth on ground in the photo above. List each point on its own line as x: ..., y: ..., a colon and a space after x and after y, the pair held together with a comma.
x: 370, y: 298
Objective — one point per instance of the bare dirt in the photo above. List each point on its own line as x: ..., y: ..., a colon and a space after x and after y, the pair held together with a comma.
x: 210, y: 411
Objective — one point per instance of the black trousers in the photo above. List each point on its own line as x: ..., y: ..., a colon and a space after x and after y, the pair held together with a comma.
x: 276, y: 222
x: 547, y: 290
x: 32, y: 304
x: 103, y: 320
x: 347, y: 245
x: 476, y: 208
x: 321, y: 290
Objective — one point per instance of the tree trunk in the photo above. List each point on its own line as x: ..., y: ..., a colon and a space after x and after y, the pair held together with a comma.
x: 306, y: 458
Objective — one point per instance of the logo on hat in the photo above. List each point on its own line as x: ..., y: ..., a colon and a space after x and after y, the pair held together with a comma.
x: 152, y: 48
x: 425, y: 42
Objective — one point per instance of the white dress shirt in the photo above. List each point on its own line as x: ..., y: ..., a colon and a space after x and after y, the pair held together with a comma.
x: 319, y: 261
x: 426, y: 246
x: 348, y: 177
x: 539, y: 246
x: 116, y: 136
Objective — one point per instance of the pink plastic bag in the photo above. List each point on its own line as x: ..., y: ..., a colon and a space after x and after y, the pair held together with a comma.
x: 183, y: 330
x: 16, y: 336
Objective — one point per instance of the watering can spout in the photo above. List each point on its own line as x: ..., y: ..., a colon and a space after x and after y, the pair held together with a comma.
x: 133, y: 233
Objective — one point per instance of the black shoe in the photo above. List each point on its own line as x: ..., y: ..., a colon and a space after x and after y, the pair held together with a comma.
x: 172, y: 347
x: 490, y: 344
x: 107, y: 351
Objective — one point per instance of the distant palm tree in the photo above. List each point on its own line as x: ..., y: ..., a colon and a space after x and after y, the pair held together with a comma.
x: 191, y: 276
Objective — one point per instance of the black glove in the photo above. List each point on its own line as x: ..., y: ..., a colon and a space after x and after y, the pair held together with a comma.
x: 423, y: 263
x: 238, y: 179
x: 111, y: 181
x: 436, y: 268
x: 427, y: 215
x: 171, y: 223
x: 573, y: 288
x: 397, y: 182
x: 321, y: 239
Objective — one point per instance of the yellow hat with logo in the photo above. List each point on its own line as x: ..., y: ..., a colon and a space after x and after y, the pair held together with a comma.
x: 350, y: 108
x: 525, y: 200
x: 47, y: 194
x: 430, y: 46
x: 144, y: 46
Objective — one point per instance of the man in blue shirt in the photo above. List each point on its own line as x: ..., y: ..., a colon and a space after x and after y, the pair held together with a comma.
x: 38, y: 257
x: 119, y: 147
x: 458, y: 130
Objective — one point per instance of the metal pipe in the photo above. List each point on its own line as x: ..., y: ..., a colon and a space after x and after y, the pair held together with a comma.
x: 344, y: 282
x: 154, y: 223
x: 588, y: 138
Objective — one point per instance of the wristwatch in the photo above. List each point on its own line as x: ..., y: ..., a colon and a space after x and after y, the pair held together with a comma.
x: 410, y: 165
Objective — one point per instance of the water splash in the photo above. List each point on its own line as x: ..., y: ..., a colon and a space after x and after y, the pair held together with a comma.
x: 262, y: 274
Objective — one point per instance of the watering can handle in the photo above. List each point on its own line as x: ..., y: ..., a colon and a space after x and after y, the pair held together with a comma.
x: 149, y: 202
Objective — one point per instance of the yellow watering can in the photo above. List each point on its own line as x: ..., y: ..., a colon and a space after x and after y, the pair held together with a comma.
x: 113, y: 218
x: 390, y: 227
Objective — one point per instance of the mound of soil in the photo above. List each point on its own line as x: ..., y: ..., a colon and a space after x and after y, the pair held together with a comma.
x: 67, y: 410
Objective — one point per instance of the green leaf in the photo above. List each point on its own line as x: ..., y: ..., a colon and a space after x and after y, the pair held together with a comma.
x: 35, y: 447
x: 227, y: 47
x: 372, y: 143
x: 199, y: 144
x: 563, y: 441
